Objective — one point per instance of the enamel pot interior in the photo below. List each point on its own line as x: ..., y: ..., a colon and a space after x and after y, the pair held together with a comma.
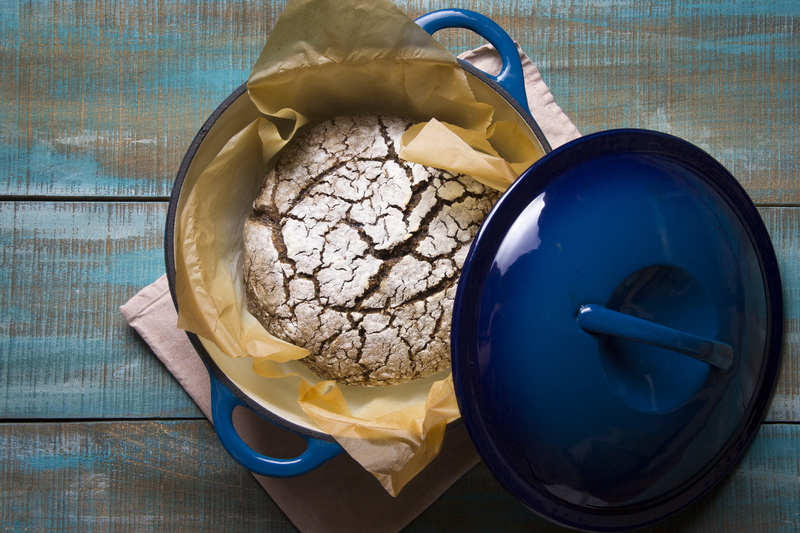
x: 617, y: 330
x: 276, y: 399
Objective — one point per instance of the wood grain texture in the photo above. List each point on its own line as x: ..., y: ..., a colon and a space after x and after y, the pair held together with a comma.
x: 143, y: 476
x: 65, y: 350
x: 104, y: 97
x: 174, y: 476
x: 782, y: 225
x: 722, y: 75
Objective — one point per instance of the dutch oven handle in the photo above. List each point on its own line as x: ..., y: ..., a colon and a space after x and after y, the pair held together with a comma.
x: 223, y: 401
x: 511, y: 78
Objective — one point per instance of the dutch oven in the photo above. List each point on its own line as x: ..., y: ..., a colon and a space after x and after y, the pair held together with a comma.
x: 617, y: 329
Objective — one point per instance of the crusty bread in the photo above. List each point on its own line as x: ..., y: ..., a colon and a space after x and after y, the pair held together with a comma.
x: 354, y: 254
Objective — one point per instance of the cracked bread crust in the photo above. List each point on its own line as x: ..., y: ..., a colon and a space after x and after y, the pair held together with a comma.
x: 354, y: 254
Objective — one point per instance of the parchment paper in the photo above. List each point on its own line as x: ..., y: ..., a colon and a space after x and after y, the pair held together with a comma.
x: 326, y: 59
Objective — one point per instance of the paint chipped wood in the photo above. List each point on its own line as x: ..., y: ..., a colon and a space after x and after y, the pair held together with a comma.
x: 175, y: 476
x: 65, y: 350
x: 103, y: 98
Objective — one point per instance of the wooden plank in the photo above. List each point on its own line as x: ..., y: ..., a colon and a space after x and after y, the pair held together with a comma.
x: 139, y: 476
x: 65, y: 350
x: 782, y: 225
x: 722, y: 75
x: 175, y: 476
x: 103, y: 98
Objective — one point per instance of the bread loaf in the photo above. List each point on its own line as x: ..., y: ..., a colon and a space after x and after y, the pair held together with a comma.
x: 354, y: 254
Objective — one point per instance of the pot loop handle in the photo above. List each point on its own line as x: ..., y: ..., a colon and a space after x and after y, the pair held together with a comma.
x: 511, y: 78
x: 223, y: 401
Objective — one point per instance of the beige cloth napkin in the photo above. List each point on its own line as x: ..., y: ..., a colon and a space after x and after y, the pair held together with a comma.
x: 340, y: 496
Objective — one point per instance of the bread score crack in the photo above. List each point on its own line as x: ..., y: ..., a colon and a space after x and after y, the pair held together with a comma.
x: 354, y: 254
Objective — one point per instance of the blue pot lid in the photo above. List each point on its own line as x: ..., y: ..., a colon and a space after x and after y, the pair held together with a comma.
x: 617, y: 330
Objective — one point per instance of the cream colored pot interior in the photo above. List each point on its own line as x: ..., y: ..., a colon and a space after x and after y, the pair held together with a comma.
x: 279, y: 395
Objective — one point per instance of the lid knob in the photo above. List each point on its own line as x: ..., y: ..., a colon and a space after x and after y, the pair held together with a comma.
x: 595, y: 318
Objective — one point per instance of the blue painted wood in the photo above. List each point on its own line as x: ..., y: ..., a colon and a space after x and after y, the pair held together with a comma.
x: 65, y: 350
x: 722, y: 75
x: 783, y: 225
x: 174, y: 476
x: 118, y: 476
x: 103, y: 99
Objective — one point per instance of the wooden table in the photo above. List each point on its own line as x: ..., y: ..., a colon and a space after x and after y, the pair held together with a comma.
x: 99, y: 102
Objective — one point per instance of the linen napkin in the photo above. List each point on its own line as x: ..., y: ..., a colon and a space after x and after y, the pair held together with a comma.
x: 340, y: 496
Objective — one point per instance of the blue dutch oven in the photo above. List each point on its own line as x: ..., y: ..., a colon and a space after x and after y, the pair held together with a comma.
x: 617, y: 329
x: 233, y: 383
